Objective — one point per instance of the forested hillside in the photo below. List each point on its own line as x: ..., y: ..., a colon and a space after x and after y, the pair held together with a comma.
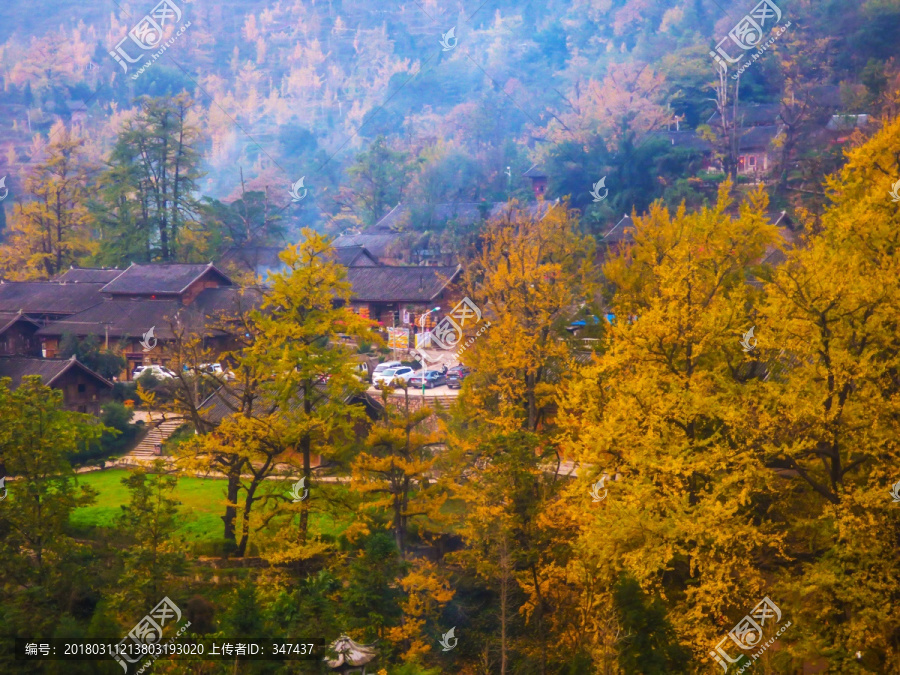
x: 280, y: 91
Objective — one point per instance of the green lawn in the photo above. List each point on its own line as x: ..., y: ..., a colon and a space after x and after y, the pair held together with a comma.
x: 200, y: 513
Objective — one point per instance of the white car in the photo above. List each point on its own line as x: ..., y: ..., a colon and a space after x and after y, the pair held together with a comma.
x: 392, y: 376
x: 159, y: 372
x: 381, y: 367
x: 216, y: 370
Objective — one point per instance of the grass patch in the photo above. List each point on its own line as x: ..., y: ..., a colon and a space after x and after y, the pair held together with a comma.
x: 200, y: 513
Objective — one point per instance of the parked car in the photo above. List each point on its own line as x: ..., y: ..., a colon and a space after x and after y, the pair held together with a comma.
x: 215, y: 369
x: 456, y: 375
x: 159, y: 372
x: 392, y: 376
x: 381, y: 367
x: 360, y: 369
x: 431, y: 378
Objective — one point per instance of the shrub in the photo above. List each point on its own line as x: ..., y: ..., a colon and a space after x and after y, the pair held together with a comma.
x: 117, y: 416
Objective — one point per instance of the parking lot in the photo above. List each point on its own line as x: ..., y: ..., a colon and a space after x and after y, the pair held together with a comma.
x: 438, y: 358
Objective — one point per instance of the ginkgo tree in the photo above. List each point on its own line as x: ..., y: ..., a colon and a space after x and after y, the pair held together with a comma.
x: 53, y: 229
x: 663, y: 407
x: 830, y: 415
x: 291, y: 397
x: 533, y: 274
x: 301, y: 324
x: 393, y: 473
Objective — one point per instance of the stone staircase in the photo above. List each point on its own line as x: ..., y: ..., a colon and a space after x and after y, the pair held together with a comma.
x: 157, y: 435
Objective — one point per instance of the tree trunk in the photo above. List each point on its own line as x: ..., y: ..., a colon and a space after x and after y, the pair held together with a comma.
x: 306, y: 448
x: 504, y: 597
x: 540, y: 619
x: 304, y: 505
x: 234, y: 484
x: 245, y: 517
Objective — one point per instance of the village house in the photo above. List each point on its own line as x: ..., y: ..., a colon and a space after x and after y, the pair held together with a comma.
x: 620, y: 236
x: 120, y: 307
x: 380, y: 241
x: 17, y: 335
x: 83, y: 390
x: 756, y: 157
x: 539, y: 181
x: 166, y: 298
x: 398, y: 296
x: 44, y: 301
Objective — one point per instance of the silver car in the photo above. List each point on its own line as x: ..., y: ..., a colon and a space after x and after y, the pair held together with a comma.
x: 393, y: 376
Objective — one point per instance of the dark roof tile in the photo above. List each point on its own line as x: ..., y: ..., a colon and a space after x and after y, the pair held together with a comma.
x: 399, y: 284
x: 623, y: 231
x: 684, y: 139
x: 354, y: 256
x: 376, y: 244
x: 757, y: 138
x: 48, y: 297
x: 161, y: 279
x: 18, y: 367
x: 132, y: 318
x: 121, y: 318
x: 92, y: 275
x: 8, y: 319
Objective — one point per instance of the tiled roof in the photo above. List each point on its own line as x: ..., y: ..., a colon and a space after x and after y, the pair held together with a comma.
x: 847, y: 122
x: 354, y: 256
x: 750, y: 115
x: 399, y: 284
x: 229, y: 300
x: 535, y: 171
x: 132, y: 318
x: 684, y: 139
x: 121, y: 318
x: 757, y: 138
x: 376, y: 244
x: 92, y: 275
x: 622, y: 231
x: 8, y: 319
x: 48, y: 297
x: 161, y: 279
x: 18, y: 367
